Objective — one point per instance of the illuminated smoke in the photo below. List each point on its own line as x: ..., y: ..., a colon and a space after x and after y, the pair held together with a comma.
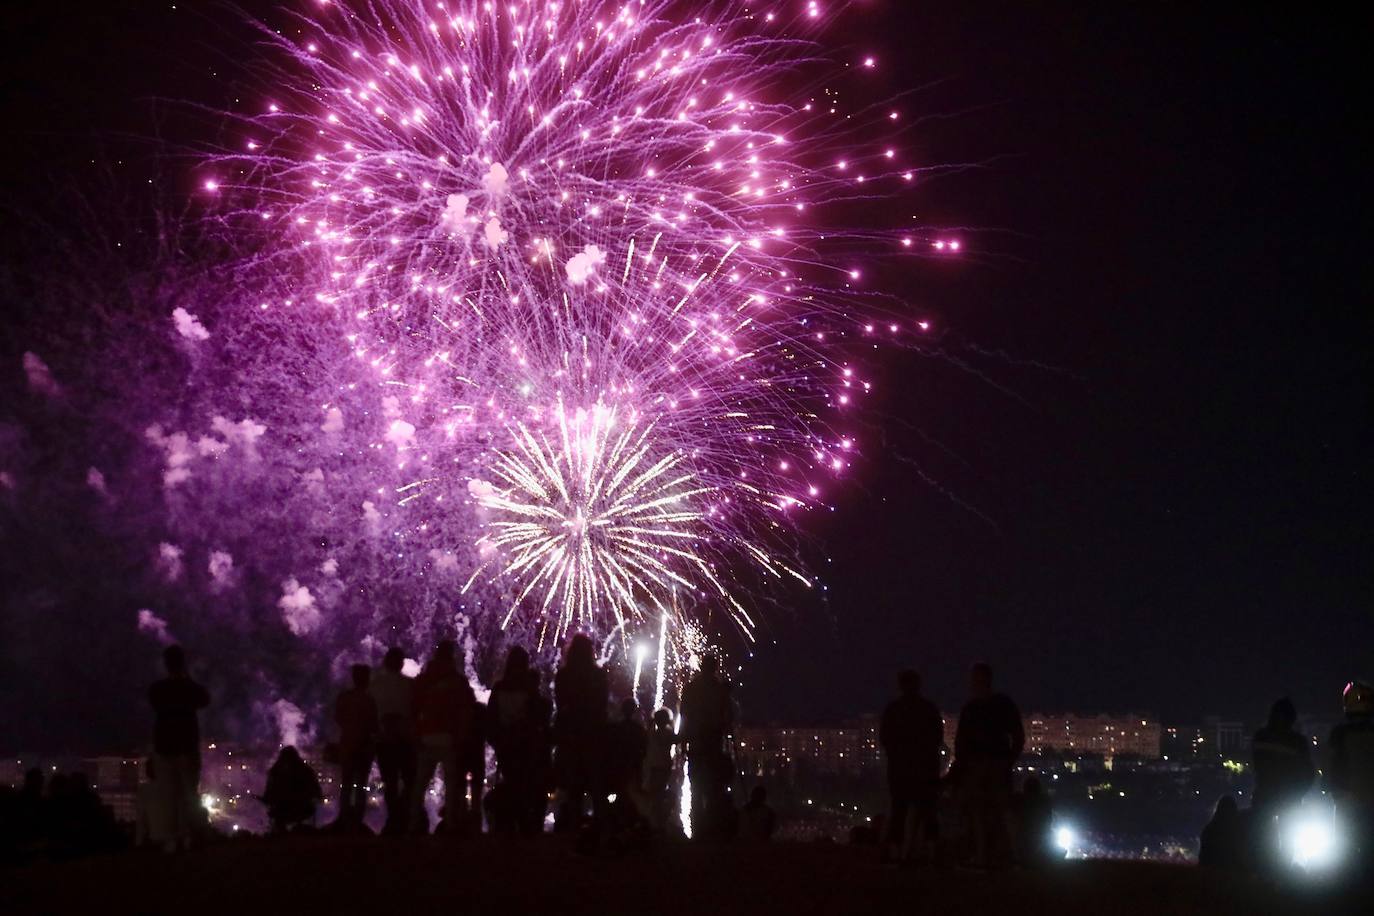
x: 169, y: 561
x: 154, y: 626
x: 221, y: 569
x: 40, y: 376
x: 188, y: 325
x: 290, y: 724
x: 298, y: 608
x: 95, y: 479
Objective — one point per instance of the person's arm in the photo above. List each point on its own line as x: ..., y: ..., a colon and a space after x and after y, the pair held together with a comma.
x: 1018, y: 731
x: 961, y: 740
x: 1309, y: 772
x: 935, y: 730
x: 1335, y: 771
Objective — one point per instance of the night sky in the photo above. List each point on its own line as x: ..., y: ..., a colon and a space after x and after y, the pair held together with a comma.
x: 1134, y: 473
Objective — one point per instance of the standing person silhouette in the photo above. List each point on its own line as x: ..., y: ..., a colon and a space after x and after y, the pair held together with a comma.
x: 1283, y: 773
x: 355, y: 713
x: 911, y: 733
x: 581, y: 695
x: 177, y: 701
x: 1350, y: 772
x: 444, y: 709
x: 394, y: 695
x: 987, y: 743
x: 707, y: 715
x: 518, y: 719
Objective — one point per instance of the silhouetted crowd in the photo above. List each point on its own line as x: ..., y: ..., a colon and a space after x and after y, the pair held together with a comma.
x: 615, y: 779
x: 60, y: 816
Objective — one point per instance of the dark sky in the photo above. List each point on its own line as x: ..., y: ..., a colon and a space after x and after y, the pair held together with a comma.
x: 1167, y: 438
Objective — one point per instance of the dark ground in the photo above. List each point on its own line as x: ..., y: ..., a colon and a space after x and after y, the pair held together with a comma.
x: 328, y: 874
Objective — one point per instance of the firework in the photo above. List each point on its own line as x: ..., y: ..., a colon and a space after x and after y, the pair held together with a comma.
x: 503, y: 320
x: 567, y: 246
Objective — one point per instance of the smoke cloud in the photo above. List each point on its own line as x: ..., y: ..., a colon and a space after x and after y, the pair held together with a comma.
x: 298, y: 608
x: 189, y: 325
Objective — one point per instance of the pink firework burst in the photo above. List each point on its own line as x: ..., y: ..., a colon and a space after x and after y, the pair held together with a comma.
x: 569, y: 249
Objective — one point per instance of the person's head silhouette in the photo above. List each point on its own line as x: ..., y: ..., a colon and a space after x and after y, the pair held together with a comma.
x: 581, y: 653
x: 980, y: 679
x: 1282, y: 715
x: 174, y: 660
x: 517, y: 662
x: 394, y: 660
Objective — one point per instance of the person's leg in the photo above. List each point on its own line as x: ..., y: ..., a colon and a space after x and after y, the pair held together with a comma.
x: 477, y: 773
x: 897, y: 814
x: 346, y: 768
x: 388, y: 767
x: 408, y: 763
x: 169, y: 774
x: 455, y: 790
x: 426, y: 762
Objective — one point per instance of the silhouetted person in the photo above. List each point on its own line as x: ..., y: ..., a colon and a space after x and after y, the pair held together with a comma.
x: 987, y: 743
x: 707, y: 716
x: 658, y: 769
x: 355, y: 712
x: 1035, y: 840
x: 758, y: 820
x: 628, y: 742
x: 1225, y: 843
x: 444, y: 711
x: 518, y: 724
x: 393, y: 693
x: 177, y: 701
x: 292, y: 792
x: 911, y: 733
x: 1283, y: 773
x: 472, y: 759
x: 1350, y: 777
x: 581, y: 694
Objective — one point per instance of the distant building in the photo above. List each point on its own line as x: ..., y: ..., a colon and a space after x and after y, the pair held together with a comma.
x: 1227, y: 738
x: 1216, y: 738
x: 848, y: 750
x: 852, y: 749
x: 1068, y: 733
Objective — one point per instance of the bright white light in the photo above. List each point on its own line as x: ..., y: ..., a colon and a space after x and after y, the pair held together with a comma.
x: 1314, y: 843
x: 1064, y: 838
